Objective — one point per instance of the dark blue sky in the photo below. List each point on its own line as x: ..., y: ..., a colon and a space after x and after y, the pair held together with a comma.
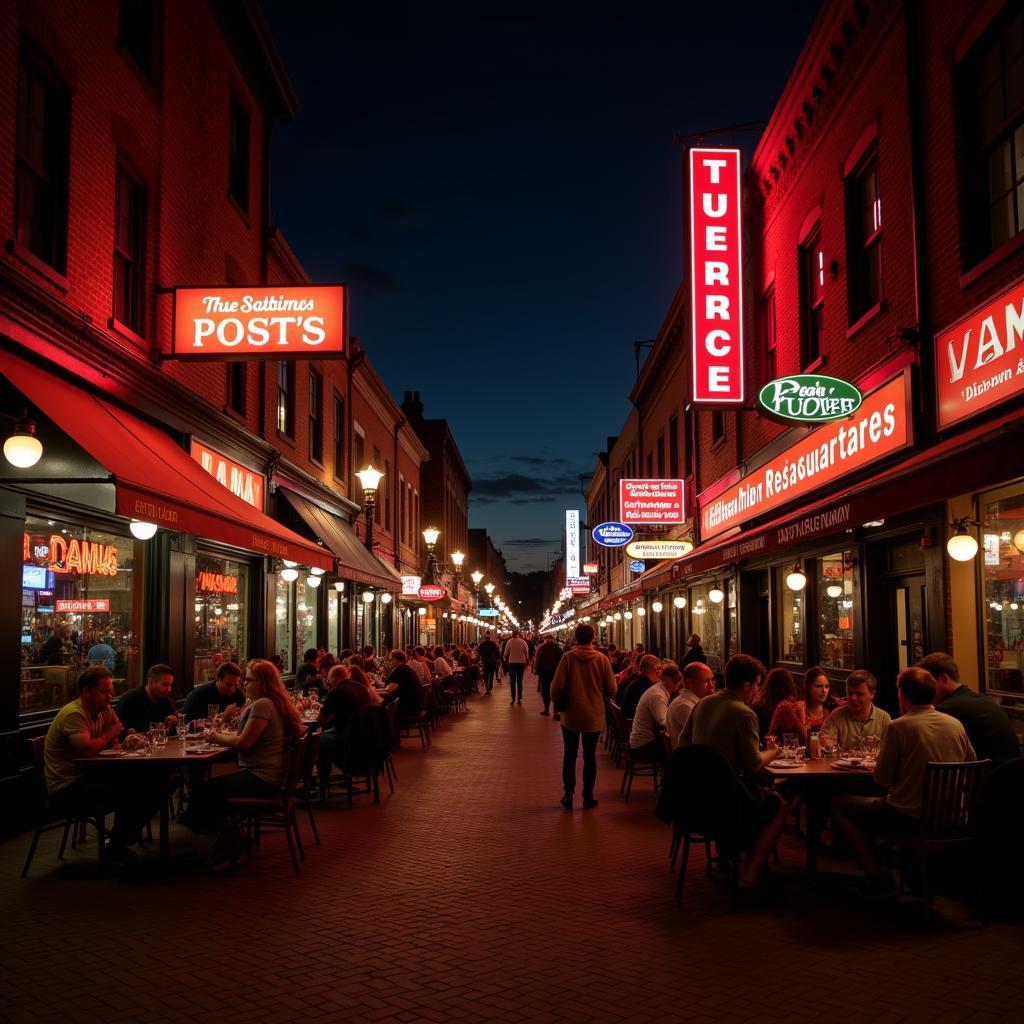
x: 499, y: 186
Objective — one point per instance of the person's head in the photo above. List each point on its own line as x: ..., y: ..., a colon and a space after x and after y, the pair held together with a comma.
x: 699, y: 679
x: 337, y: 674
x: 398, y: 657
x: 438, y: 652
x: 917, y: 688
x: 420, y: 652
x: 671, y: 677
x: 228, y: 678
x: 368, y: 651
x: 277, y: 661
x: 778, y: 686
x: 640, y: 648
x: 743, y: 675
x: 355, y: 661
x: 515, y: 632
x: 108, y: 640
x: 860, y: 692
x: 325, y: 663
x: 693, y: 640
x: 945, y: 672
x: 650, y: 666
x: 584, y: 634
x: 159, y: 680
x: 311, y: 655
x: 816, y: 686
x: 96, y: 688
x: 263, y: 680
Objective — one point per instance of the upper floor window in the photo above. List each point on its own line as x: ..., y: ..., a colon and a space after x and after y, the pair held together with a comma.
x: 137, y: 33
x: 286, y: 398
x: 41, y: 162
x: 129, y: 251
x: 661, y: 456
x: 812, y: 298
x: 238, y: 154
x: 316, y: 416
x: 767, y: 326
x: 864, y: 237
x: 359, y: 455
x: 673, y: 446
x: 717, y: 426
x: 236, y: 385
x: 339, y: 437
x: 387, y: 494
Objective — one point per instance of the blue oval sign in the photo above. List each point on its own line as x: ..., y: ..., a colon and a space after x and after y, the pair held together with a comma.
x: 612, y: 535
x: 637, y: 566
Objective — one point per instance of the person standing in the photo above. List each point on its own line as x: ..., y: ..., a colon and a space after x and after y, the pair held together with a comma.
x: 694, y: 651
x: 517, y: 657
x: 545, y: 664
x: 489, y: 656
x: 586, y: 677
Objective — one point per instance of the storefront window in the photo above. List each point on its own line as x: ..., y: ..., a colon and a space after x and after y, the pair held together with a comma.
x: 730, y: 590
x: 284, y: 616
x: 80, y: 605
x: 835, y: 611
x: 305, y: 616
x: 1002, y: 556
x: 790, y: 618
x: 333, y: 619
x: 221, y: 615
x: 706, y: 621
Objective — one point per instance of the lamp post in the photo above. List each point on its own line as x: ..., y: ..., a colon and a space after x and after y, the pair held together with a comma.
x: 430, y: 535
x: 370, y: 479
x: 457, y: 558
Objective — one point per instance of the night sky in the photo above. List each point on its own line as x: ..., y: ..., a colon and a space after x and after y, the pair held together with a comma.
x: 499, y: 187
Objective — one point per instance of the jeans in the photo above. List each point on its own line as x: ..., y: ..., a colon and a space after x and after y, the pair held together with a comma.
x: 545, y: 688
x: 489, y: 671
x: 571, y: 741
x: 515, y: 680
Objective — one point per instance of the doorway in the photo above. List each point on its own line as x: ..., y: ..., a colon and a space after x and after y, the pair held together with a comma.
x: 903, y: 638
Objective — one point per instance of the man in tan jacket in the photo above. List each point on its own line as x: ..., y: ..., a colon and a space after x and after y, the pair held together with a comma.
x: 585, y: 675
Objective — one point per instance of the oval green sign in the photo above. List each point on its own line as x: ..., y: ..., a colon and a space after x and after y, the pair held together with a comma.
x: 808, y: 398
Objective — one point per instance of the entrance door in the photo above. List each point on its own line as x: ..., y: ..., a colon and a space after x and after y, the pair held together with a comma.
x: 907, y: 605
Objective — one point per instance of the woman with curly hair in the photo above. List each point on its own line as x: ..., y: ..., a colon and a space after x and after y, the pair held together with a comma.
x: 778, y: 690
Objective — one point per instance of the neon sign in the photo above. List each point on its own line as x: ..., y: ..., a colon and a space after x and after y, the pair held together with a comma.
x: 216, y: 583
x: 71, y: 555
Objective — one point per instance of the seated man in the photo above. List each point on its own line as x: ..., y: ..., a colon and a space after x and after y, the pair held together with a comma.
x: 987, y: 725
x: 698, y: 683
x: 858, y: 717
x: 630, y: 692
x: 82, y: 729
x: 138, y: 708
x: 307, y: 675
x: 404, y: 682
x: 345, y: 696
x: 918, y: 736
x: 651, y: 712
x: 225, y: 691
x: 726, y: 722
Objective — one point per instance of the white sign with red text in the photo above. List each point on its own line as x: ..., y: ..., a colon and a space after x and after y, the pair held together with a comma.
x: 572, y: 543
x: 716, y: 277
x: 651, y: 502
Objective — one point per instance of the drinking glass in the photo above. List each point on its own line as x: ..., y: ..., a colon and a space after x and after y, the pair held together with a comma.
x: 828, y: 745
x: 789, y: 745
x: 212, y: 711
x: 158, y: 735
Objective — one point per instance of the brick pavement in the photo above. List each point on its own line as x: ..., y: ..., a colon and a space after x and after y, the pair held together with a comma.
x: 471, y: 896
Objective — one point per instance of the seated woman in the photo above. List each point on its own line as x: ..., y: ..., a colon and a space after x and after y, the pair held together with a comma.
x: 778, y: 686
x: 267, y: 731
x: 787, y: 712
x: 818, y: 701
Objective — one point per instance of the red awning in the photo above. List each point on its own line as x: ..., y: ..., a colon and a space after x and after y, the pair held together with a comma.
x: 355, y: 562
x: 154, y: 479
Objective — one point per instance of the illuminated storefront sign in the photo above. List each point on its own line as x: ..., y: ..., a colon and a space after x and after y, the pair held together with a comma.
x: 716, y: 281
x: 572, y: 543
x: 241, y: 482
x: 92, y: 604
x: 216, y: 583
x: 69, y: 555
x: 880, y: 427
x: 590, y: 568
x: 654, y: 549
x: 808, y: 398
x: 411, y: 586
x: 432, y: 592
x: 612, y: 535
x: 651, y: 502
x: 258, y: 322
x: 978, y: 362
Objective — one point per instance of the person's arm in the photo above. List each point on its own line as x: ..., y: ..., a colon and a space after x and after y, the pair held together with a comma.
x: 76, y: 729
x: 686, y: 736
x: 661, y: 709
x: 558, y: 683
x: 888, y: 762
x: 252, y: 730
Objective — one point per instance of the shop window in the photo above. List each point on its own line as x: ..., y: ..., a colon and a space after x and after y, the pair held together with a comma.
x: 812, y: 298
x: 790, y: 619
x: 41, y: 162
x: 706, y: 620
x: 673, y: 446
x: 835, y: 611
x: 130, y: 251
x: 863, y: 238
x: 387, y: 494
x: 80, y: 605
x: 333, y: 621
x: 238, y: 154
x: 993, y: 96
x: 305, y: 616
x: 316, y: 416
x: 767, y: 325
x: 236, y: 385
x: 339, y: 437
x: 286, y: 398
x: 284, y: 618
x: 1002, y: 557
x: 221, y: 615
x: 136, y: 33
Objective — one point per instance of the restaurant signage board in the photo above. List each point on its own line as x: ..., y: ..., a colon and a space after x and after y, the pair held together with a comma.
x: 241, y: 482
x: 581, y: 589
x: 612, y: 535
x: 879, y: 428
x: 259, y: 322
x: 577, y: 581
x: 716, y: 276
x: 979, y: 360
x: 411, y: 586
x: 590, y: 568
x: 488, y: 613
x: 655, y: 549
x: 83, y: 605
x: 637, y: 566
x: 651, y: 502
x: 572, y: 543
x: 432, y: 592
x: 64, y: 554
x: 808, y: 398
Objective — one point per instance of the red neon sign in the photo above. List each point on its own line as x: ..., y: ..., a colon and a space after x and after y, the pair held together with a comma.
x: 590, y: 568
x: 651, y: 502
x: 215, y: 583
x: 70, y: 555
x: 716, y: 276
x: 241, y: 482
x: 432, y: 592
x: 258, y: 322
x: 978, y: 363
x: 92, y: 604
x: 880, y: 427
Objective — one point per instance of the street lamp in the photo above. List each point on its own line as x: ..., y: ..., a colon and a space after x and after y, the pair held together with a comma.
x: 457, y: 558
x: 430, y: 535
x: 370, y: 479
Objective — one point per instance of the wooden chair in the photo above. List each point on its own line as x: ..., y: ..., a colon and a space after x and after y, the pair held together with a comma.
x: 633, y: 767
x: 304, y: 789
x: 952, y: 804
x: 280, y: 809
x: 420, y: 719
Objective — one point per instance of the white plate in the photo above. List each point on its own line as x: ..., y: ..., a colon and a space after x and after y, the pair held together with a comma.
x: 110, y: 752
x: 787, y: 764
x: 845, y: 762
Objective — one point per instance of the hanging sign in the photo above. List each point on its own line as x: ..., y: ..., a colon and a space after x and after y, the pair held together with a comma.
x: 651, y: 502
x: 655, y: 549
x: 432, y: 592
x: 488, y: 613
x: 90, y: 604
x: 716, y: 282
x: 978, y: 363
x: 637, y: 566
x: 411, y: 586
x: 808, y: 398
x: 241, y: 482
x: 65, y: 554
x: 260, y: 322
x: 572, y: 543
x: 612, y: 535
x: 590, y: 568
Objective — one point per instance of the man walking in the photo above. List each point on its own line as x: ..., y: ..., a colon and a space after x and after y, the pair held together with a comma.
x: 545, y: 664
x: 517, y: 657
x: 489, y: 656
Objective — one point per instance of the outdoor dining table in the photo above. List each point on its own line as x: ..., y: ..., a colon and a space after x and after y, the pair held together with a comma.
x: 160, y: 762
x: 819, y: 779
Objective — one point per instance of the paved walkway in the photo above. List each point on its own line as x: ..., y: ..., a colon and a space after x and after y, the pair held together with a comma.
x: 472, y: 896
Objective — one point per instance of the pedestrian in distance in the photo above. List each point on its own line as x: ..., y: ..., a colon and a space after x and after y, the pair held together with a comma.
x: 585, y: 677
x: 516, y: 656
x: 489, y: 656
x: 694, y: 651
x: 545, y: 664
